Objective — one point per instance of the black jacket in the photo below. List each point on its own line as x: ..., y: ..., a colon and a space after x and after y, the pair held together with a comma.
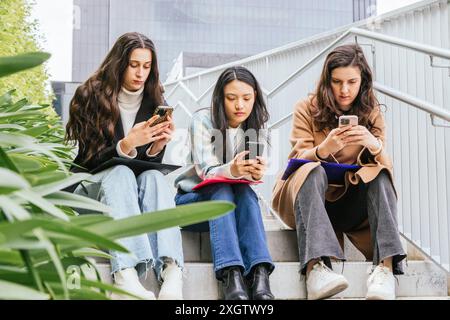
x: 144, y: 113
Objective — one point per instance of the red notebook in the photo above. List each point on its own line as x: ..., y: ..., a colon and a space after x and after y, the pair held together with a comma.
x: 207, y: 182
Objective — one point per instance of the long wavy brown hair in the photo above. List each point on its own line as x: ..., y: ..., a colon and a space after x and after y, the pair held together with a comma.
x: 94, y: 110
x: 326, y: 109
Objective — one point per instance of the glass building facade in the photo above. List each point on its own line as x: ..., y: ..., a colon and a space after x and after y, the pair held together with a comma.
x: 204, y: 26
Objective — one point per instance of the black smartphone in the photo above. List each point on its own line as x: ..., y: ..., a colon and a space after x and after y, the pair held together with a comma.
x: 256, y: 149
x: 164, y: 112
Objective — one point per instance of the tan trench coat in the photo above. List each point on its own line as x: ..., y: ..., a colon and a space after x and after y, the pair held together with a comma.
x: 305, y: 138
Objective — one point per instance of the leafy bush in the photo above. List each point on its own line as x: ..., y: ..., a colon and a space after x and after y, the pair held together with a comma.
x: 18, y: 35
x: 41, y: 235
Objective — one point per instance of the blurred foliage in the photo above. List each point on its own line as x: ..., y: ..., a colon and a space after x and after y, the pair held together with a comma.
x: 19, y: 34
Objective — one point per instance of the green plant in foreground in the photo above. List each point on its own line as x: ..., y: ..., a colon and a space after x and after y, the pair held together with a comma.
x: 42, y: 238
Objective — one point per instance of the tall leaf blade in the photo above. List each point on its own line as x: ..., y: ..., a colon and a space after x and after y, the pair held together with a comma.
x: 154, y: 221
x: 42, y: 203
x: 13, y: 291
x: 10, y: 65
x: 76, y: 201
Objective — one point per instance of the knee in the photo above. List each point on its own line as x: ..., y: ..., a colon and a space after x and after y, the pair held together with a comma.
x: 317, y: 175
x: 119, y: 176
x: 245, y: 191
x: 382, y: 179
x: 151, y: 175
x: 221, y: 190
x: 152, y: 180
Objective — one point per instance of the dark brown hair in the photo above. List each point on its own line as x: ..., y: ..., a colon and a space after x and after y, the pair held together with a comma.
x: 94, y: 111
x: 326, y: 108
x: 259, y: 115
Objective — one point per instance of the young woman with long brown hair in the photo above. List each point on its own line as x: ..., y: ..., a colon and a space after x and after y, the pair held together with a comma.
x: 364, y: 206
x: 111, y: 116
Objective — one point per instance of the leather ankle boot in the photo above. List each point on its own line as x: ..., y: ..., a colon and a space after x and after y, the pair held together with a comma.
x: 259, y: 283
x: 233, y: 284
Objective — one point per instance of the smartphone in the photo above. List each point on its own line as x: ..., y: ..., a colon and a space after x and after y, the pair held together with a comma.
x: 348, y: 120
x: 164, y: 112
x: 256, y: 149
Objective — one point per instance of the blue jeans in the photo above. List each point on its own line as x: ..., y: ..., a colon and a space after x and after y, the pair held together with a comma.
x: 238, y: 238
x: 129, y: 196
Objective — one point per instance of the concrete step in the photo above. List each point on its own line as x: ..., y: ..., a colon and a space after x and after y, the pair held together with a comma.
x: 282, y: 247
x: 421, y: 279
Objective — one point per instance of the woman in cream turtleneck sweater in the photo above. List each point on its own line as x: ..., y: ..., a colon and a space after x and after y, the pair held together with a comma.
x: 111, y: 116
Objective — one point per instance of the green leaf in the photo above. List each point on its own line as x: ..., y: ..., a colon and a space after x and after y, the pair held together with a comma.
x: 25, y: 244
x: 26, y: 163
x: 154, y: 221
x: 38, y: 179
x: 36, y: 131
x: 14, y: 139
x: 10, y: 65
x: 16, y: 106
x: 83, y: 294
x: 55, y: 259
x: 10, y: 181
x: 42, y: 203
x: 57, y: 186
x: 13, y: 291
x: 76, y: 201
x: 11, y: 126
x: 6, y: 98
x: 89, y: 219
x: 19, y: 116
x: 10, y: 257
x: 83, y: 252
x: 16, y: 230
x: 13, y: 210
x: 6, y: 162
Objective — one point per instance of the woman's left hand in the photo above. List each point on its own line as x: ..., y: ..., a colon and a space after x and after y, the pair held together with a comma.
x: 163, y: 138
x: 360, y: 135
x: 258, y: 169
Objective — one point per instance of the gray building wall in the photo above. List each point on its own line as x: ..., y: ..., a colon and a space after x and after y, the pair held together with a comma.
x: 209, y: 26
x: 91, y: 40
x: 64, y: 92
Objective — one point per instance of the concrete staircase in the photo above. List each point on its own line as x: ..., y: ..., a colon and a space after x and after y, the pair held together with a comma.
x: 422, y: 279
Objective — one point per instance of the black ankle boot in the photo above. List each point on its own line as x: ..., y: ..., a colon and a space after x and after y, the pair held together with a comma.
x: 233, y: 284
x: 259, y: 283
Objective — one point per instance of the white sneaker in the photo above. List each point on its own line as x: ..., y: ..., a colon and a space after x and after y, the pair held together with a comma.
x: 128, y: 280
x: 322, y: 282
x: 172, y: 286
x: 381, y: 284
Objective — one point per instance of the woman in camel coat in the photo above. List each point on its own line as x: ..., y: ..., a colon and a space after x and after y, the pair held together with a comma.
x: 364, y: 207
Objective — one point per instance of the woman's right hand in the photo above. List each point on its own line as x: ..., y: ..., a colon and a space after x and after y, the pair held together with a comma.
x: 241, y: 167
x: 142, y: 133
x: 333, y: 143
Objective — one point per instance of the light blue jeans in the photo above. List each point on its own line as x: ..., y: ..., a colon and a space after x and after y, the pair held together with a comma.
x: 129, y: 196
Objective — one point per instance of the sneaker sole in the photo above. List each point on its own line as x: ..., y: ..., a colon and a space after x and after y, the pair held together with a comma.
x: 378, y: 296
x: 330, y: 290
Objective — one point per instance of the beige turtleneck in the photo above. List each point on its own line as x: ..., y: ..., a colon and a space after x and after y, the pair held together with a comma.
x: 129, y: 104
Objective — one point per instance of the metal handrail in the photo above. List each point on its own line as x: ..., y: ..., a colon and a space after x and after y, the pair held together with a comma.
x: 423, y: 48
x: 411, y: 100
x: 427, y: 49
x: 419, y: 47
x: 396, y: 94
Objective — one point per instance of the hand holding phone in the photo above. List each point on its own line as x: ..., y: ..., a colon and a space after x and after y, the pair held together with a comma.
x: 164, y: 112
x: 334, y: 141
